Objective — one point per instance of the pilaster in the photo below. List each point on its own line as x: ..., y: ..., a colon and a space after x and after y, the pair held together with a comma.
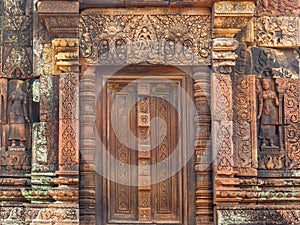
x: 87, y: 96
x: 203, y: 166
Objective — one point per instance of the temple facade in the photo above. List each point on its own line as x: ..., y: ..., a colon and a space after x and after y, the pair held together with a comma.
x: 181, y: 112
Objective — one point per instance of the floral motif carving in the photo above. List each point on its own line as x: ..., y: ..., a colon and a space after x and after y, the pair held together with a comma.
x: 68, y: 133
x: 278, y: 31
x: 223, y: 148
x: 157, y: 38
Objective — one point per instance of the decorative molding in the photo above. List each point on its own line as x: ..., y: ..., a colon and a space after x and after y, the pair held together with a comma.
x: 162, y: 37
x: 65, y: 52
x: 229, y: 17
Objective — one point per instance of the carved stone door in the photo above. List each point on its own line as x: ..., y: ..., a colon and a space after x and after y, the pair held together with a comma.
x: 145, y: 176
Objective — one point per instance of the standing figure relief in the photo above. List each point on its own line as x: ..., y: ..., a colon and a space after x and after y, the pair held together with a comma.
x: 268, y: 104
x: 17, y: 116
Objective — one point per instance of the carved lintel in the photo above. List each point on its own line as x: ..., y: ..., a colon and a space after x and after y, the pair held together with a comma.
x: 143, y: 3
x: 231, y: 16
x: 61, y: 17
x: 167, y: 36
x: 278, y: 32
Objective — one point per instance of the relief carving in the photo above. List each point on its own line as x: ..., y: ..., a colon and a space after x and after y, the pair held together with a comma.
x: 268, y: 104
x: 142, y: 37
x: 18, y: 116
x: 278, y: 31
x: 245, y: 124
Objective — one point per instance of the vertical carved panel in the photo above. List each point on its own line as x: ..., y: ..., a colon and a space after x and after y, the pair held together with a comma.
x: 245, y: 138
x: 68, y: 116
x: 291, y: 120
x: 166, y: 193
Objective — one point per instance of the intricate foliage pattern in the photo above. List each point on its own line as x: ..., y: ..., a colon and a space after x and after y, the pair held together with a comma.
x: 131, y: 39
x: 68, y: 121
x: 278, y: 31
x: 245, y: 124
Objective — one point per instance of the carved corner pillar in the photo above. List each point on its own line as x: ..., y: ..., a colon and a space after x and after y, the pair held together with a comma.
x: 203, y: 164
x: 222, y: 120
x: 231, y: 16
x: 66, y: 63
x: 87, y: 95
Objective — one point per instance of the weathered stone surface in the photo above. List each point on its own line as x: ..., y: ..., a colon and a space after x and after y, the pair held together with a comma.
x: 238, y: 61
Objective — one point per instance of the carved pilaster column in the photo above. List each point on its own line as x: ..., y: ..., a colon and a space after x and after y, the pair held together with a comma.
x: 65, y: 61
x: 203, y: 168
x: 87, y: 96
x: 222, y: 117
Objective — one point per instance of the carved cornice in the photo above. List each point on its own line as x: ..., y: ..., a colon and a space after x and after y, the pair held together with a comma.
x: 229, y: 17
x: 60, y: 17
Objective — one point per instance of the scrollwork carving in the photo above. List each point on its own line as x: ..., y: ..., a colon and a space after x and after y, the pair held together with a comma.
x: 278, y: 31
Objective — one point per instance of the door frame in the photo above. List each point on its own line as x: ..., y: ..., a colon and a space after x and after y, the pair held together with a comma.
x: 189, y: 180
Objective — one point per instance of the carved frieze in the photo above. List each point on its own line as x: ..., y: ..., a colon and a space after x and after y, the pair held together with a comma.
x: 160, y: 37
x: 278, y: 8
x: 278, y: 32
x: 16, y: 38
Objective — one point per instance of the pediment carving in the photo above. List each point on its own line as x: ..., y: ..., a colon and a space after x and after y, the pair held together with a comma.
x: 163, y: 37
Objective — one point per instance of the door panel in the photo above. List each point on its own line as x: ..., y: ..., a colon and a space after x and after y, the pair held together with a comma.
x: 156, y: 125
x: 122, y: 198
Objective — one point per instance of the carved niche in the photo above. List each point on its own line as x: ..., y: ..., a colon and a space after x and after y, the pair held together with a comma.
x: 15, y: 123
x: 162, y: 37
x: 278, y: 123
